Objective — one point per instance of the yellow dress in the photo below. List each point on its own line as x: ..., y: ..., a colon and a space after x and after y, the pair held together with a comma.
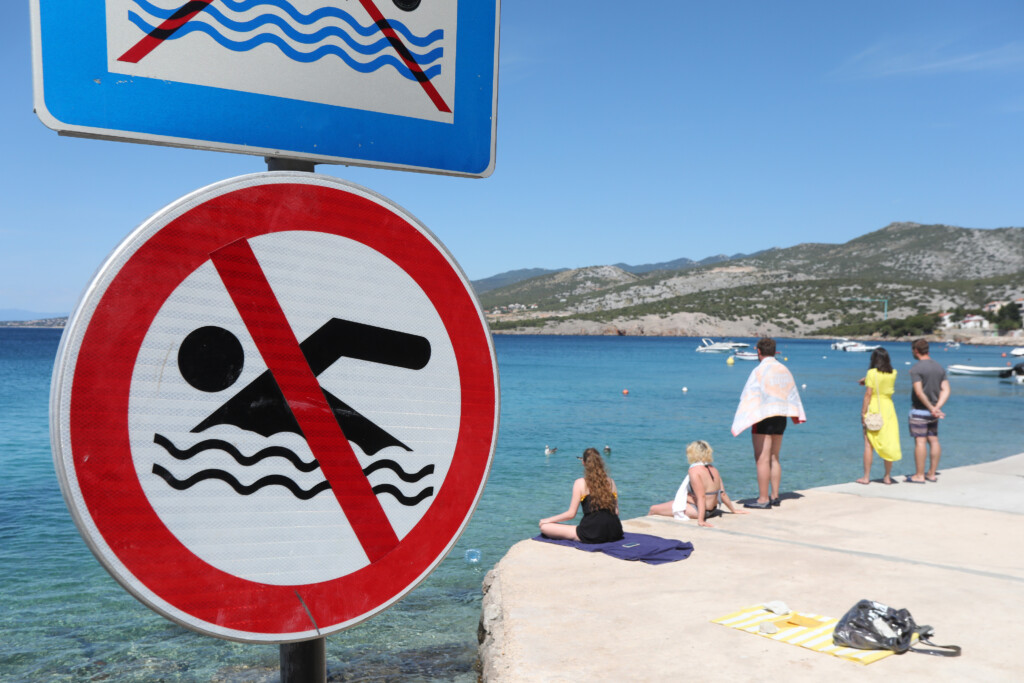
x: 886, y: 441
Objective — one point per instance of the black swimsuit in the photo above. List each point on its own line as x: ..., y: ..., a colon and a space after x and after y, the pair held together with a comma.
x: 598, y: 526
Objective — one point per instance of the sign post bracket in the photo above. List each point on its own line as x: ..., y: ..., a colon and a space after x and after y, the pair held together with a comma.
x: 283, y: 164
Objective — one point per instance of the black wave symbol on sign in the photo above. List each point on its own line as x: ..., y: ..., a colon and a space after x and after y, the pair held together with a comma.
x: 239, y: 487
x: 261, y: 407
x: 278, y: 479
x: 230, y: 449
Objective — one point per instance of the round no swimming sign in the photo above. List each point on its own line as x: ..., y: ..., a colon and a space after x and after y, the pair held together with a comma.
x: 275, y: 407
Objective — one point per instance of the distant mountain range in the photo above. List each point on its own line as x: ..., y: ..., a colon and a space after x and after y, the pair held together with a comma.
x: 513, y: 276
x: 900, y: 270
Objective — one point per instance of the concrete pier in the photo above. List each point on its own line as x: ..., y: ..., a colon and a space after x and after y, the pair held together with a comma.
x: 951, y: 552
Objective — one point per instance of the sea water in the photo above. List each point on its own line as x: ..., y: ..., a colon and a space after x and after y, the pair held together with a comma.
x: 65, y: 619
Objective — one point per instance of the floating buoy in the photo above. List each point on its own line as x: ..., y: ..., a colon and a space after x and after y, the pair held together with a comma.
x: 729, y: 360
x: 625, y: 392
x: 785, y: 358
x: 1004, y: 354
x: 685, y: 390
x: 803, y: 386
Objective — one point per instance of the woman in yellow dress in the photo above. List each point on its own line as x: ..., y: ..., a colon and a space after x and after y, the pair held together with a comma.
x: 879, y: 383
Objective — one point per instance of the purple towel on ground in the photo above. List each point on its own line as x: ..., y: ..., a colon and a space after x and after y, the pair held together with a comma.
x: 642, y: 547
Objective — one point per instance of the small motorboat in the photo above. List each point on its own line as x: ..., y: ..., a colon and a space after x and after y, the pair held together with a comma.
x: 745, y: 355
x: 1019, y: 351
x: 841, y: 344
x: 711, y: 346
x: 859, y: 347
x: 952, y: 345
x: 976, y: 370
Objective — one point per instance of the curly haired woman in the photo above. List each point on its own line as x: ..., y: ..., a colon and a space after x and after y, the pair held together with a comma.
x: 596, y: 492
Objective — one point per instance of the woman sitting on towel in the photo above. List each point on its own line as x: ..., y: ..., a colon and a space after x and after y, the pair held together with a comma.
x: 701, y: 491
x: 595, y: 491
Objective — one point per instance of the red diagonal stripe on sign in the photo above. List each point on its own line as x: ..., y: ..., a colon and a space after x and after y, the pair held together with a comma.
x: 407, y: 58
x: 164, y: 30
x: 261, y: 312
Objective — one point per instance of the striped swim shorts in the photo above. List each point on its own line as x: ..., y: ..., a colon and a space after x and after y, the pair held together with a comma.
x: 923, y: 424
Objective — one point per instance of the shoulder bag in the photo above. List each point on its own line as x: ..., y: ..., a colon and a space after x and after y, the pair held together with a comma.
x: 873, y: 421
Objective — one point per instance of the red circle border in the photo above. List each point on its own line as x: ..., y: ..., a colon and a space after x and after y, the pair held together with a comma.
x: 98, y: 415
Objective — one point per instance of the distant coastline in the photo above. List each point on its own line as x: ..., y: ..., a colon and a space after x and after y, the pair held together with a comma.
x: 41, y: 324
x: 624, y: 331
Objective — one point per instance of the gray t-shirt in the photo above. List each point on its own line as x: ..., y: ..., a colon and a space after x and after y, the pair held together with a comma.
x: 930, y: 374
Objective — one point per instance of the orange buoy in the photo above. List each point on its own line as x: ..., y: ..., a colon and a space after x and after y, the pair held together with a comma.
x: 625, y: 392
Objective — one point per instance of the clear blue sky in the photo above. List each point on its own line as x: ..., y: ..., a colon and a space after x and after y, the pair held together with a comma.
x: 627, y: 132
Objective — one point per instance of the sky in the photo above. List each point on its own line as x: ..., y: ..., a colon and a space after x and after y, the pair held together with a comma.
x: 627, y: 132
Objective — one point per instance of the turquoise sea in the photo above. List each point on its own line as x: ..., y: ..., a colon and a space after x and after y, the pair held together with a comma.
x: 65, y: 619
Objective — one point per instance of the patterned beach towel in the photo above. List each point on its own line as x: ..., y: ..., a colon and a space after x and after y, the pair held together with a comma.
x: 770, y: 391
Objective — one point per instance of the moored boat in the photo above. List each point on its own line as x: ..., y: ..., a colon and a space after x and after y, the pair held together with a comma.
x: 859, y: 347
x: 841, y: 344
x: 745, y: 355
x: 976, y: 370
x: 711, y: 346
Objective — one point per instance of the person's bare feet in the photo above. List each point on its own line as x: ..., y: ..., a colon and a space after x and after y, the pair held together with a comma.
x: 888, y: 482
x: 865, y: 480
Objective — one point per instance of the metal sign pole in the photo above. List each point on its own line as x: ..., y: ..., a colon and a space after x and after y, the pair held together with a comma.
x: 304, y: 662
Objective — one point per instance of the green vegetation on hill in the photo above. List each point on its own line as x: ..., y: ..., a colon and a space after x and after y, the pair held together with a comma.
x: 905, y: 269
x: 914, y: 326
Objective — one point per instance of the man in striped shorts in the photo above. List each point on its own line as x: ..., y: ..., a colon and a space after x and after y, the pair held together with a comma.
x: 929, y: 393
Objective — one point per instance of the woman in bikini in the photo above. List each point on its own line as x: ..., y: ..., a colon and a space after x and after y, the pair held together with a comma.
x: 596, y: 492
x: 701, y: 492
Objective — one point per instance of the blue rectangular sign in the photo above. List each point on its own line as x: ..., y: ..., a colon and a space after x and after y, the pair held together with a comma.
x: 402, y: 84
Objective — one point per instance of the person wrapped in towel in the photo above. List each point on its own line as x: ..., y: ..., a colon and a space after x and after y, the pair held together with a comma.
x: 768, y: 398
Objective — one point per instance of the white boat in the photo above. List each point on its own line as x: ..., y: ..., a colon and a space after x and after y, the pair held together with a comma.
x: 952, y: 345
x: 976, y: 370
x: 711, y: 346
x: 841, y: 344
x: 858, y: 347
x: 1019, y: 351
x: 745, y: 355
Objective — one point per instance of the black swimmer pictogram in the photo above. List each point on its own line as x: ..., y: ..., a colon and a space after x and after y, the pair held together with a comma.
x: 211, y: 359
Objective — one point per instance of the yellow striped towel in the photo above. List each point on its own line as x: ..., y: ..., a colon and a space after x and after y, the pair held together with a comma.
x: 811, y: 631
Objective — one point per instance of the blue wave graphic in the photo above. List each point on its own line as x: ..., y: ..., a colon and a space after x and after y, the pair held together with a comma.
x: 306, y: 19
x: 303, y: 39
x: 289, y: 51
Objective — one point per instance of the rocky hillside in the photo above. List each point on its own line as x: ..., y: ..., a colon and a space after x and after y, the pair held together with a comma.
x: 900, y: 270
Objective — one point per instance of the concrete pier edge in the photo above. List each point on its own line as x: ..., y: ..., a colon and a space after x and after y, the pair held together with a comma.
x: 950, y: 552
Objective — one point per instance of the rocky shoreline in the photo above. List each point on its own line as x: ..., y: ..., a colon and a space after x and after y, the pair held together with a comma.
x: 702, y: 325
